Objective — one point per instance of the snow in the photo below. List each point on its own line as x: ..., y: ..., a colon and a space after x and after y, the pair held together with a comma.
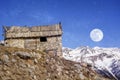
x: 99, y: 57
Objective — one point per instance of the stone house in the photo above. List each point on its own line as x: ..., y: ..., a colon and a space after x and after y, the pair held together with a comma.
x: 47, y: 37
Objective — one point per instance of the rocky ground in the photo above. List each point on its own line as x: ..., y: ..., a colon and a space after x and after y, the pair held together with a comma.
x: 25, y: 64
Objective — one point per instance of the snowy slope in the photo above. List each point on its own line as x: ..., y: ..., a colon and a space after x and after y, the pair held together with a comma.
x: 105, y: 60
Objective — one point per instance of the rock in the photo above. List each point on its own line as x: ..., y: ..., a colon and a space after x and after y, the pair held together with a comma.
x: 23, y: 55
x: 35, y: 61
x: 36, y: 55
x: 34, y: 77
x: 14, y: 60
x: 22, y: 65
x: 4, y: 58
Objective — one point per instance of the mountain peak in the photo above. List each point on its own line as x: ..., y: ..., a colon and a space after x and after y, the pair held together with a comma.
x: 101, y: 58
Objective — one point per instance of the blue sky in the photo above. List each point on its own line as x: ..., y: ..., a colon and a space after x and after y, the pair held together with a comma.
x: 78, y: 18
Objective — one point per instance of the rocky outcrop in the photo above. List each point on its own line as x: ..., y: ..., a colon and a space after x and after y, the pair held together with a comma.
x: 25, y: 64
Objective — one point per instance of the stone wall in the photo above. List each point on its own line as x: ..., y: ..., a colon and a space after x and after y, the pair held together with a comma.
x: 32, y: 34
x: 35, y: 31
x: 52, y: 44
x: 29, y: 37
x: 14, y: 43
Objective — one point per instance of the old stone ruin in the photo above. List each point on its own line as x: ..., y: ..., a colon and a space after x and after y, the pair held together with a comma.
x: 46, y: 38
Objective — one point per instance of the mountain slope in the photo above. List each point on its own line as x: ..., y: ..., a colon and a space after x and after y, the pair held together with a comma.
x: 25, y: 64
x: 104, y: 60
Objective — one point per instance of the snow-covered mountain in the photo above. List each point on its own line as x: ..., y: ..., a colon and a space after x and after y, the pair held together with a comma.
x: 104, y: 60
x: 2, y: 42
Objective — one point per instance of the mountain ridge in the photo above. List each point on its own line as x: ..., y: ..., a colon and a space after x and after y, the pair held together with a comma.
x: 103, y: 60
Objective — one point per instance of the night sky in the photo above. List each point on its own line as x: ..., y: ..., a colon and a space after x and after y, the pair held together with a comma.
x: 78, y: 18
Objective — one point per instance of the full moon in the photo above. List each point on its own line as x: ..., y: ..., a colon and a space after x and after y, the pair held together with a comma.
x: 96, y: 35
